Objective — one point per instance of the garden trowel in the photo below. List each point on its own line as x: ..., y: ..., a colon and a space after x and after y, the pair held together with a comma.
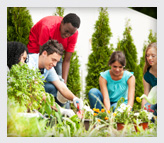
x: 79, y: 112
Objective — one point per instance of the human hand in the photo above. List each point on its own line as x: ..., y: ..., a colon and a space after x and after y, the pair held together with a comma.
x: 77, y: 100
x: 129, y: 108
x: 67, y: 112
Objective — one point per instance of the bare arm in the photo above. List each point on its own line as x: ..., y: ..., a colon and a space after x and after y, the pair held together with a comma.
x: 63, y: 90
x: 131, y: 90
x: 146, y: 91
x: 104, y: 91
x: 66, y: 65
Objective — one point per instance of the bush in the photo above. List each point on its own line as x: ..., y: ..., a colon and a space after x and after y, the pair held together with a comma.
x: 19, y: 23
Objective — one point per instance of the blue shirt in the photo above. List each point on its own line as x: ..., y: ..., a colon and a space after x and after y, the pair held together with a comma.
x: 150, y: 78
x: 117, y: 88
x: 48, y: 75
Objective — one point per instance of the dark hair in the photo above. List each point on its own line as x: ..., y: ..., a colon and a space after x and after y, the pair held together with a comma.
x: 52, y: 46
x: 14, y: 52
x: 117, y: 56
x: 73, y: 19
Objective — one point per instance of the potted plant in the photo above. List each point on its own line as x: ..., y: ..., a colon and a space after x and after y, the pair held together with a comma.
x: 87, y: 116
x: 142, y: 118
x: 122, y: 116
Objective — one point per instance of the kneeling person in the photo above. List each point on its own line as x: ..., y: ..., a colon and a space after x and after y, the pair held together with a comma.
x: 50, y: 53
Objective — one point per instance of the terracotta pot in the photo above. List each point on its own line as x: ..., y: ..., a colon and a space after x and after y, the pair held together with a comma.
x: 87, y: 123
x: 144, y: 126
x: 120, y: 126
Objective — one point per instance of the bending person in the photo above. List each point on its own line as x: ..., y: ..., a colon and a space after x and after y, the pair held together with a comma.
x: 64, y: 30
x: 114, y: 84
x: 50, y: 54
x: 150, y: 74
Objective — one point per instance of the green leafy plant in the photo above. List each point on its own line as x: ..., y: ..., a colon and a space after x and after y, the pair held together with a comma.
x: 25, y: 85
x: 142, y: 116
x: 123, y: 114
x: 23, y: 126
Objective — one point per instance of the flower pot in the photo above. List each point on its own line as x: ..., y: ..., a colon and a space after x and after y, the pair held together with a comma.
x: 120, y: 126
x: 87, y: 123
x: 144, y: 126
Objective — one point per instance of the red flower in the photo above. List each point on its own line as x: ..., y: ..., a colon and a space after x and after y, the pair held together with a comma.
x: 149, y: 106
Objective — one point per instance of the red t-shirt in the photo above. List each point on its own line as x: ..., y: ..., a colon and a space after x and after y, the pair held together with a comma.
x: 49, y: 28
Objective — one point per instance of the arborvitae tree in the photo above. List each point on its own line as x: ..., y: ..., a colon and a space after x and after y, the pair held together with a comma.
x: 151, y: 38
x: 73, y: 80
x: 19, y: 23
x: 59, y: 11
x: 127, y: 46
x: 98, y: 59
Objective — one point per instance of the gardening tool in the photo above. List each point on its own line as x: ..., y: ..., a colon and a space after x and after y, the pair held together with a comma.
x: 152, y: 96
x: 79, y: 112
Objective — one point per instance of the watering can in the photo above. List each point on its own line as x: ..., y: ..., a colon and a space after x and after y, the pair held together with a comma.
x: 152, y: 96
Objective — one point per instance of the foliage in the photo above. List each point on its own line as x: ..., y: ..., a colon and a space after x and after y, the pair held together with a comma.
x: 73, y: 122
x: 98, y: 59
x: 21, y: 126
x: 19, y: 23
x: 24, y: 126
x: 73, y: 81
x: 127, y: 46
x: 142, y: 116
x: 59, y: 12
x: 122, y: 114
x: 103, y: 115
x: 87, y: 112
x: 26, y: 87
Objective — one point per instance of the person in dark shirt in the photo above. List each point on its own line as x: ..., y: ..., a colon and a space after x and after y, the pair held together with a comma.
x: 150, y: 74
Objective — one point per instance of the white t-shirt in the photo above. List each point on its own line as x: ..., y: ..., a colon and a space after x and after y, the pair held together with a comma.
x: 49, y: 75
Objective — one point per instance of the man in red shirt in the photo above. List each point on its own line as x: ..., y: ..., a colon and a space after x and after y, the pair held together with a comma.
x: 64, y: 30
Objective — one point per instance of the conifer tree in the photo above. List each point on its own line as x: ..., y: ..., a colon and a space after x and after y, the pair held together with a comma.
x: 59, y: 11
x: 98, y: 59
x: 127, y: 46
x: 19, y: 23
x: 73, y: 80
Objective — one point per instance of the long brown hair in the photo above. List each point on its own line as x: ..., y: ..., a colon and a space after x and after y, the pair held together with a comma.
x: 146, y: 66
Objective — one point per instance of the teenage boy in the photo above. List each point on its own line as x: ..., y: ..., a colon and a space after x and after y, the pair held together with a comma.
x: 64, y: 30
x: 51, y: 53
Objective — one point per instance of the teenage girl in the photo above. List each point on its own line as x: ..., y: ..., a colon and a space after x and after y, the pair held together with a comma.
x: 150, y: 74
x: 114, y: 84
